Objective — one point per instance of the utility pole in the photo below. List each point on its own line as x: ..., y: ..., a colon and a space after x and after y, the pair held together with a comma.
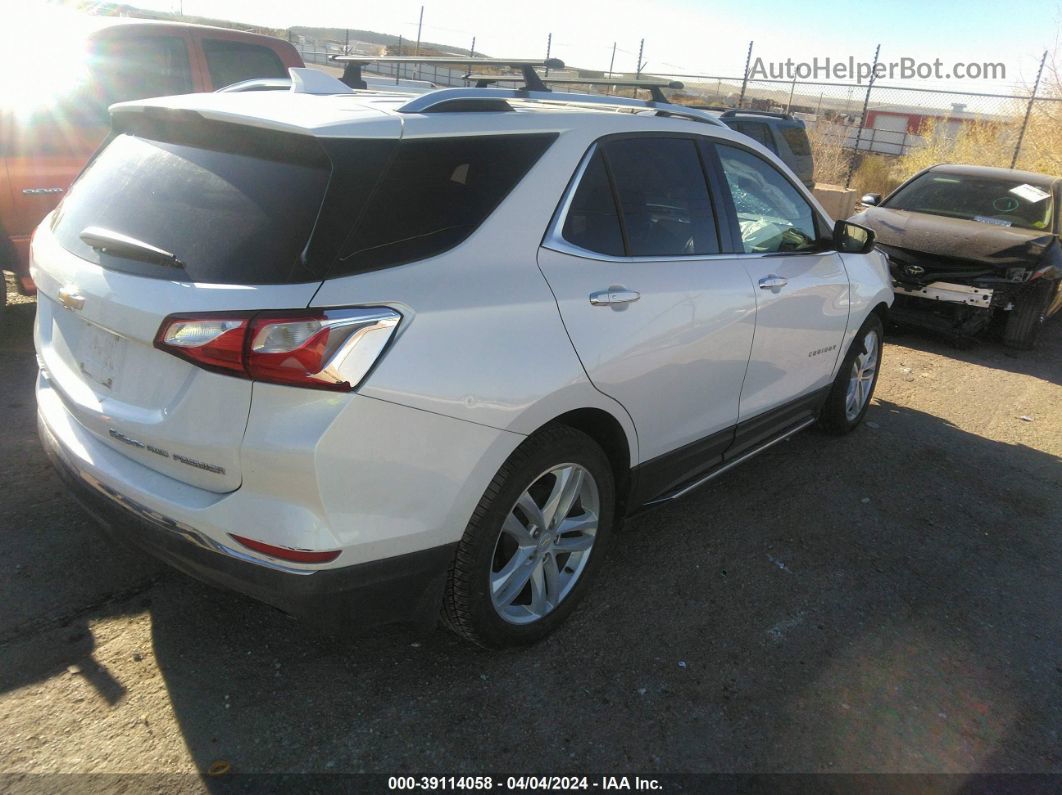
x: 611, y: 63
x: 641, y: 49
x: 420, y: 24
x: 346, y: 42
x: 398, y: 66
x: 745, y: 79
x: 549, y: 46
x: 863, y: 118
x: 1028, y: 111
x: 472, y: 52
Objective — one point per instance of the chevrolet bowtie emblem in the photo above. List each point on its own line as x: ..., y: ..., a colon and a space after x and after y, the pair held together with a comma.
x: 71, y: 298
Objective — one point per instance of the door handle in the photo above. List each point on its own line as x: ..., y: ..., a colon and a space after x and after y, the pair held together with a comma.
x: 611, y: 297
x: 773, y: 282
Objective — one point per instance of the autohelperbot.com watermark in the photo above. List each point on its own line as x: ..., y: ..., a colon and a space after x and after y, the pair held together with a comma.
x: 849, y: 69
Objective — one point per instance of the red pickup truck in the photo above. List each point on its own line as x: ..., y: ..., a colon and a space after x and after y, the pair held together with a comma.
x: 48, y: 132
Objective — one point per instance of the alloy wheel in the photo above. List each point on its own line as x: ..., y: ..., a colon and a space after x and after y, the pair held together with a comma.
x: 861, y: 380
x: 544, y: 544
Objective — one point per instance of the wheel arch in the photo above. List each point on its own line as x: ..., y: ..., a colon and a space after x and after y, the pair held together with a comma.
x: 609, y: 433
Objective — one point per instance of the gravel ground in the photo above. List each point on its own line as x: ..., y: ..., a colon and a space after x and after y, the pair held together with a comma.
x: 889, y: 601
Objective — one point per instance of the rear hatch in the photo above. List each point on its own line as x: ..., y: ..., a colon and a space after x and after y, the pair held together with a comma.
x: 237, y: 207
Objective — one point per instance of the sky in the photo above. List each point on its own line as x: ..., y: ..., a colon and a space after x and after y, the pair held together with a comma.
x: 688, y: 36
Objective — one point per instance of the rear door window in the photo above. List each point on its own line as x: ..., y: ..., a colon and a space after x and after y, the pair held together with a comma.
x: 437, y: 192
x: 231, y: 62
x: 232, y: 218
x: 663, y: 197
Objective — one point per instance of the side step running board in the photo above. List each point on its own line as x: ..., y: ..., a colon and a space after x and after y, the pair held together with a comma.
x: 681, y: 491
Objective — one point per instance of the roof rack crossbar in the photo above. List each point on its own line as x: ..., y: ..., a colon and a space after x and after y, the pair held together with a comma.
x: 652, y: 86
x: 435, y: 101
x: 353, y: 64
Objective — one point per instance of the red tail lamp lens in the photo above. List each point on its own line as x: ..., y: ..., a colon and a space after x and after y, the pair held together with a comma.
x: 293, y: 555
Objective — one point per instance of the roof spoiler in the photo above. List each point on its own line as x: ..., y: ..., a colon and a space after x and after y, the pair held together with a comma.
x: 353, y: 64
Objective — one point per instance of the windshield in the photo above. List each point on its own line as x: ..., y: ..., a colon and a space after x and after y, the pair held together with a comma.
x: 990, y: 200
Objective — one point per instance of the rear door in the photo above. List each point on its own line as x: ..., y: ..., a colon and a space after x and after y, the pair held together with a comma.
x: 661, y: 320
x: 801, y: 294
x: 240, y: 223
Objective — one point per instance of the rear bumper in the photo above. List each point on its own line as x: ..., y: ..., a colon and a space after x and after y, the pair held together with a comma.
x: 406, y: 588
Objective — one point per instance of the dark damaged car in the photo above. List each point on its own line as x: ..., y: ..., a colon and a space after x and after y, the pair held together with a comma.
x: 970, y: 244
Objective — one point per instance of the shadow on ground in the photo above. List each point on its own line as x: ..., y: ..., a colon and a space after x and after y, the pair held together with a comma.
x: 885, y: 601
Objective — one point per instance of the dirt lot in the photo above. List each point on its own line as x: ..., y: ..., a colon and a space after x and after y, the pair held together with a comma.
x: 889, y: 601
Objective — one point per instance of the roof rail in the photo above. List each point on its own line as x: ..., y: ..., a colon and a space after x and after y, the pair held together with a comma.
x: 458, y: 98
x: 353, y: 63
x: 773, y: 114
x: 652, y: 86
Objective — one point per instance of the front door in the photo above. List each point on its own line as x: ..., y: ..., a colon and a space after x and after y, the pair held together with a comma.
x: 801, y: 291
x: 661, y: 320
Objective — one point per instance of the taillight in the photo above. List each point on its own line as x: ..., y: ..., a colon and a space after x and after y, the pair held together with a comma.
x: 324, y: 349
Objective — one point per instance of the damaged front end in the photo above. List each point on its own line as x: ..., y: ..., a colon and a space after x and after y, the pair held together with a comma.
x: 959, y: 296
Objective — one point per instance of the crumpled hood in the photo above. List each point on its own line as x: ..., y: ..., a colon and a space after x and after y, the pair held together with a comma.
x: 955, y: 238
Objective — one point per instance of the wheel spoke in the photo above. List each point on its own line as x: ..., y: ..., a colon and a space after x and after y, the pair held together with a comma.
x: 507, y: 584
x: 574, y: 543
x: 527, y: 504
x: 515, y: 528
x: 552, y: 578
x: 585, y: 524
x: 539, y: 598
x: 568, y: 483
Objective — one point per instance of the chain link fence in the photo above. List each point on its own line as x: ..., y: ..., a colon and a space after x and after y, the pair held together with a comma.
x: 875, y: 134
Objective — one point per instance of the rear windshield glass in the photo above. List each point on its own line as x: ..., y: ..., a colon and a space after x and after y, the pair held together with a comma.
x: 229, y: 217
x: 435, y: 194
x: 990, y: 200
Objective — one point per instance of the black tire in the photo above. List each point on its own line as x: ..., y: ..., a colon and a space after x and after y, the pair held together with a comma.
x: 834, y: 417
x: 1027, y: 317
x: 468, y: 608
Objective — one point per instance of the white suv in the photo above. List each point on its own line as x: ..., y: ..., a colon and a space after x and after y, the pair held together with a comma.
x: 370, y: 358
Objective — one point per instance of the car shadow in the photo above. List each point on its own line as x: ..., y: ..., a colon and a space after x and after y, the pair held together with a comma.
x: 888, y: 600
x: 1042, y: 363
x: 863, y: 604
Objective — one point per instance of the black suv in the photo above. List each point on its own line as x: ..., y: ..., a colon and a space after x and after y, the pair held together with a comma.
x: 782, y: 133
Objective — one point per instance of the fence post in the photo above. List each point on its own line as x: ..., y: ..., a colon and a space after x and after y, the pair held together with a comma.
x: 1028, y: 111
x: 745, y: 79
x: 863, y: 118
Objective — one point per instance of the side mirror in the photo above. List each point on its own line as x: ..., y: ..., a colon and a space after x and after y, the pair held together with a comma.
x: 871, y: 199
x: 849, y: 238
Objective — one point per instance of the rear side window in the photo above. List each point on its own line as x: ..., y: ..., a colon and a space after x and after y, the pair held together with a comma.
x: 233, y: 61
x: 663, y: 197
x: 436, y: 192
x: 797, y: 139
x: 128, y: 68
x: 230, y: 217
x: 756, y: 130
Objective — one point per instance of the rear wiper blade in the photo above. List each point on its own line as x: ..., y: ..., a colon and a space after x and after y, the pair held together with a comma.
x: 107, y: 242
